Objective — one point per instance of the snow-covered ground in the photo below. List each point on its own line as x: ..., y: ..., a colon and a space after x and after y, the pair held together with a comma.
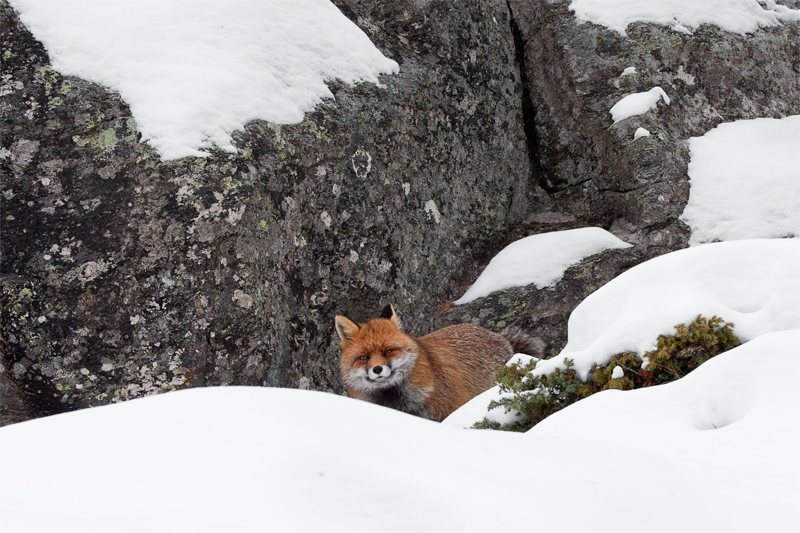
x: 258, y: 459
x: 714, y: 451
x: 193, y: 72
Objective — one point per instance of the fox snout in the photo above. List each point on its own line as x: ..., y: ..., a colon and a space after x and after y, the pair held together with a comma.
x: 379, y: 372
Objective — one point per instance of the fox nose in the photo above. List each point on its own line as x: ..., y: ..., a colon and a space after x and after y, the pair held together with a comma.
x: 377, y: 370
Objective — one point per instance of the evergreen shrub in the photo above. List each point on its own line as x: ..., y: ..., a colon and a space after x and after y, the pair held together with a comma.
x: 537, y: 397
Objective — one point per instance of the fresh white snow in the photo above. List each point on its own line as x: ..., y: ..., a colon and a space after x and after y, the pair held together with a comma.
x: 628, y: 71
x: 737, y: 16
x: 755, y: 284
x: 640, y: 132
x: 637, y: 104
x: 540, y: 260
x: 733, y: 419
x: 744, y: 181
x: 194, y: 72
x: 260, y: 459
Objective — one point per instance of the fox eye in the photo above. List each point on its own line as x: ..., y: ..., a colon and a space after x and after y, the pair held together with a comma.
x: 363, y: 358
x: 388, y: 351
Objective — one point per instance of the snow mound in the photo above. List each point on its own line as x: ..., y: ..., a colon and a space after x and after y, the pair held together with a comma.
x: 714, y: 414
x: 260, y: 459
x: 744, y: 181
x: 540, y: 260
x: 737, y: 16
x: 754, y: 284
x: 193, y: 72
x: 637, y: 104
x: 738, y: 390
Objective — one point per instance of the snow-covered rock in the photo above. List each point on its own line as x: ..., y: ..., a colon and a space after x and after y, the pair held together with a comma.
x: 194, y: 72
x: 744, y: 180
x: 637, y: 104
x: 539, y: 260
x: 738, y: 16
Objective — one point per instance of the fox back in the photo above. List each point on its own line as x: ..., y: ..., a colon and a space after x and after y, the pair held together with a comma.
x: 429, y: 376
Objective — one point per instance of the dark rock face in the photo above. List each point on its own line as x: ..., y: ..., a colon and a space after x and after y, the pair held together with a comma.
x: 596, y: 172
x: 123, y: 275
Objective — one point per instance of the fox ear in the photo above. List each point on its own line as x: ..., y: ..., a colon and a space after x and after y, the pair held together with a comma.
x: 345, y: 328
x: 389, y: 314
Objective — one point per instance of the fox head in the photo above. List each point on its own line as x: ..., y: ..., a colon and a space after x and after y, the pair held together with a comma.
x: 375, y: 355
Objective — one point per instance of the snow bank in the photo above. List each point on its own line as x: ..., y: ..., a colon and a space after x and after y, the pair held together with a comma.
x: 540, y: 260
x: 754, y: 284
x: 738, y: 390
x: 744, y: 181
x: 259, y: 459
x: 193, y: 72
x: 737, y: 16
x: 736, y: 413
x: 637, y: 104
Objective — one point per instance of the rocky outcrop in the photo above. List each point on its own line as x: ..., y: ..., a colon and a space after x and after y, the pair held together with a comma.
x: 594, y: 171
x: 124, y: 275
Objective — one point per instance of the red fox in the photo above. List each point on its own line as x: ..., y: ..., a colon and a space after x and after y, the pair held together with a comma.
x: 430, y: 376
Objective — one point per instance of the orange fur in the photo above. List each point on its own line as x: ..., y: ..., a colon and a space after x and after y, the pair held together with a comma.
x: 429, y: 376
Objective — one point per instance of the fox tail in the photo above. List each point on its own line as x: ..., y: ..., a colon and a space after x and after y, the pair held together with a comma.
x: 527, y: 344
